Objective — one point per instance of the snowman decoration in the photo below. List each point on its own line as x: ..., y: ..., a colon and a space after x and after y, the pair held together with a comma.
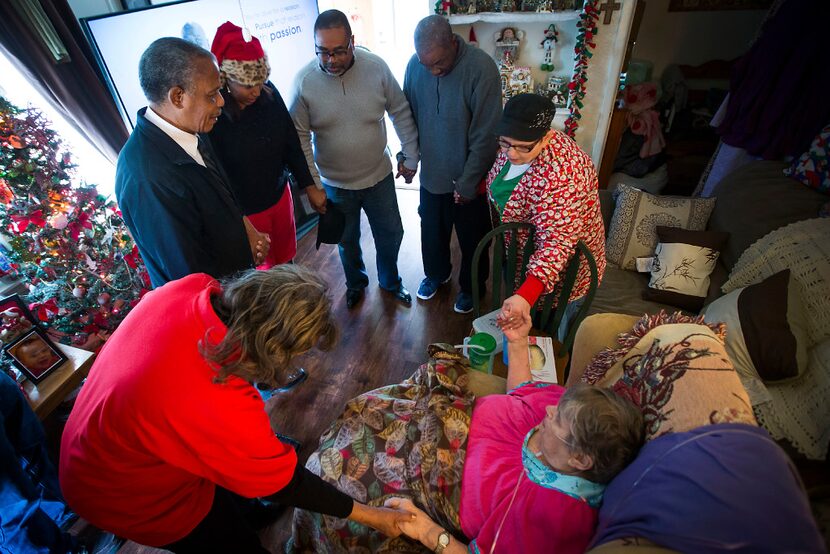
x: 549, y: 42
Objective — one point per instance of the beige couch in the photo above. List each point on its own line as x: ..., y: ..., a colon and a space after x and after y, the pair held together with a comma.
x: 751, y: 202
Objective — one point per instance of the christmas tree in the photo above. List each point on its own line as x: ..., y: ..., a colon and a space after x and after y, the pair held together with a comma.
x: 66, y: 243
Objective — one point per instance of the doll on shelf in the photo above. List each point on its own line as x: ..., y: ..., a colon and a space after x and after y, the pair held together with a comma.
x: 507, y: 45
x: 548, y: 43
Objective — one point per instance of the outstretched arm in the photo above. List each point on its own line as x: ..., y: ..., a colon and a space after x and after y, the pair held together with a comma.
x: 309, y: 492
x: 515, y: 322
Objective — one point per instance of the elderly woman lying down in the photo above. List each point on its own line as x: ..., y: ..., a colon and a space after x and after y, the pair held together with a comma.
x: 526, y: 474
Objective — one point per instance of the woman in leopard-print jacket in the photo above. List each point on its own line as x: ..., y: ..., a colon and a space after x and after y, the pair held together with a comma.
x: 542, y: 177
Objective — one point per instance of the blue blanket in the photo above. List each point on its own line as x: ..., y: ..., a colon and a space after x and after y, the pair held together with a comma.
x: 718, y: 488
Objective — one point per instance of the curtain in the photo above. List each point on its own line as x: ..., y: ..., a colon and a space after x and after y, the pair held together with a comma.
x: 44, y: 40
x: 778, y: 95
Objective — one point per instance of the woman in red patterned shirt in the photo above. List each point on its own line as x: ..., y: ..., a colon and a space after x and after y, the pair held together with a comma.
x: 542, y: 177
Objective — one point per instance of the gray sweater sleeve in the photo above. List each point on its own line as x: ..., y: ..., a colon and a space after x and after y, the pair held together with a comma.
x: 299, y: 114
x: 398, y: 108
x: 485, y: 105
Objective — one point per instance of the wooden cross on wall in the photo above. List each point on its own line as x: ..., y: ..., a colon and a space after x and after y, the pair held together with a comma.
x: 609, y: 7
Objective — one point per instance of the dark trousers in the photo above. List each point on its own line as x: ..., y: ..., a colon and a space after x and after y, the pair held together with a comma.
x: 439, y: 214
x: 380, y: 202
x: 226, y: 528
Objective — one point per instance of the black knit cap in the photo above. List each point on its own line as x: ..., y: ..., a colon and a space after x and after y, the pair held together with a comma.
x: 526, y: 117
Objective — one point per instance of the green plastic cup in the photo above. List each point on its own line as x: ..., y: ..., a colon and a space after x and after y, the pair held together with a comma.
x: 480, y: 357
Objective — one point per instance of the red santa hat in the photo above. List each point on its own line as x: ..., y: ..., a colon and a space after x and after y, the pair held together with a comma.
x: 239, y: 60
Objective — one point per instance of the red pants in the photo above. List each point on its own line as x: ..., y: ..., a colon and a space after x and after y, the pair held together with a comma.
x: 278, y: 223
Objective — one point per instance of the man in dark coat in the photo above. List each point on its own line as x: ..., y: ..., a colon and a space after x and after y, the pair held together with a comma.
x: 173, y: 195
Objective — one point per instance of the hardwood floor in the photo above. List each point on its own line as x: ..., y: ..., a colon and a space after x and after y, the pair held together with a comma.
x: 381, y: 342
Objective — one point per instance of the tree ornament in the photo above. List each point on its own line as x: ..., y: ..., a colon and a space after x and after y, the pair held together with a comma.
x: 104, y: 298
x: 59, y: 221
x: 79, y: 292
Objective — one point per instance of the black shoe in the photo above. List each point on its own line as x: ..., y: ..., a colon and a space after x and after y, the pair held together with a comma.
x: 293, y: 380
x: 402, y: 294
x: 353, y: 296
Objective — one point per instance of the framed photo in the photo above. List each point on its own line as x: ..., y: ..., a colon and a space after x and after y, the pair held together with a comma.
x: 35, y: 355
x: 15, y: 319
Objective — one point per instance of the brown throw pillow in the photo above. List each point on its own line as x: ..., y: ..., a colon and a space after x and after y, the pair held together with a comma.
x: 766, y: 332
x: 683, y: 261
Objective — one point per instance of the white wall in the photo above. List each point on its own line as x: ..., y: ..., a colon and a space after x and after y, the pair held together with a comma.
x: 692, y: 38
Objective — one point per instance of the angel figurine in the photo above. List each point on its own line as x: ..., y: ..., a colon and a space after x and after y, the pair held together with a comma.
x: 548, y: 43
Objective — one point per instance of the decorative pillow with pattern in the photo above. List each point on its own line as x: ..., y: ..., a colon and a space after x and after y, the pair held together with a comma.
x: 766, y: 333
x: 813, y: 167
x: 676, y: 369
x: 683, y: 261
x: 632, y: 233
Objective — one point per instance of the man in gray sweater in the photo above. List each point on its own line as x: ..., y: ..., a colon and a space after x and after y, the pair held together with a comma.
x: 340, y: 101
x: 455, y: 94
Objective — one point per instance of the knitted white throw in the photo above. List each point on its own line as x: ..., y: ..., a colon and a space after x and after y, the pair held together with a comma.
x: 798, y: 410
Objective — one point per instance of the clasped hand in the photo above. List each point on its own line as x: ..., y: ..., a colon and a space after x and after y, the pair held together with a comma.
x: 418, y: 525
x: 260, y: 243
x: 514, y: 318
x: 405, y: 172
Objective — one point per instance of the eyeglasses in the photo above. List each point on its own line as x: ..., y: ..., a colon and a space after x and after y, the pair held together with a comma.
x: 340, y: 52
x: 523, y: 148
x: 568, y: 443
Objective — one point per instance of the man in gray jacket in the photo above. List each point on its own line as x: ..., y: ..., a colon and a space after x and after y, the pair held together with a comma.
x: 455, y: 94
x: 340, y: 101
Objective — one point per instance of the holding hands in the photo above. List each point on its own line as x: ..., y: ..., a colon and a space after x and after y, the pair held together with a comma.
x: 317, y: 198
x: 514, y: 319
x: 260, y: 242
x: 405, y: 172
x: 421, y: 527
x: 389, y: 520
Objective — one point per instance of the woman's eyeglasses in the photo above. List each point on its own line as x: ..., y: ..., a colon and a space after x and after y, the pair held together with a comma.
x: 523, y: 148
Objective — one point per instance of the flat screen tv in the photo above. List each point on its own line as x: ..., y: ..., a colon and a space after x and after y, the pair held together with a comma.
x: 284, y: 27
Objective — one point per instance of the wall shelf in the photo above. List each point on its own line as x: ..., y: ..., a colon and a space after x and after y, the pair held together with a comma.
x: 513, y: 17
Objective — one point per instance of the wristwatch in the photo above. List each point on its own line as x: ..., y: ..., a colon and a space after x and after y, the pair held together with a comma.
x: 443, y: 542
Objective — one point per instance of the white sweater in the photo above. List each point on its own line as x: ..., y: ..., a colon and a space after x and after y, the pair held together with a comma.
x: 343, y: 117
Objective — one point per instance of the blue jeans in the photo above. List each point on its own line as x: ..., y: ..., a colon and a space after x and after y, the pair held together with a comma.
x: 381, y: 206
x: 32, y: 508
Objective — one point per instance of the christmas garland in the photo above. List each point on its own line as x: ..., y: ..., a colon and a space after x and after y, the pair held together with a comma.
x: 585, y: 44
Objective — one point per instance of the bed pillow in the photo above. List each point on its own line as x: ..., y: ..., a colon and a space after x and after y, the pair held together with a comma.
x: 676, y: 369
x: 766, y: 332
x: 813, y: 167
x: 632, y: 233
x: 683, y: 262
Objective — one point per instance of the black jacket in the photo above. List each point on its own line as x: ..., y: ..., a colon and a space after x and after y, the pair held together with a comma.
x: 182, y: 216
x: 257, y: 148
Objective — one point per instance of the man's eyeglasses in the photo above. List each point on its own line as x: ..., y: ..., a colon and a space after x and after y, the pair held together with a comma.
x: 338, y: 53
x: 523, y: 148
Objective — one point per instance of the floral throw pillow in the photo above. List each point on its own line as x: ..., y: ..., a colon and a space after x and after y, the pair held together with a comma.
x: 676, y: 369
x: 813, y: 167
